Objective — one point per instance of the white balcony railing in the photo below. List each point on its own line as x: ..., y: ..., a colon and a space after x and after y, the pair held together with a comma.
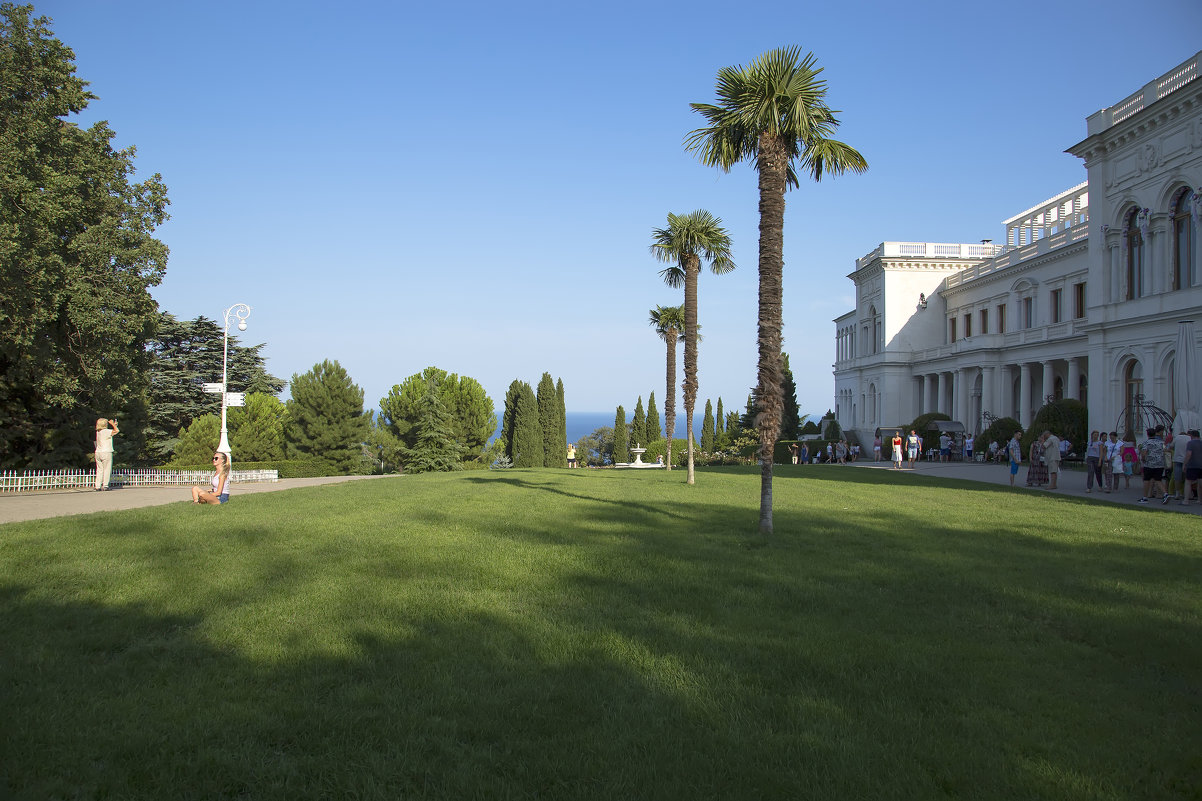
x: 1152, y: 91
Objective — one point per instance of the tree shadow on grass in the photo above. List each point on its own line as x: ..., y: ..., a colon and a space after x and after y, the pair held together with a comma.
x: 881, y: 655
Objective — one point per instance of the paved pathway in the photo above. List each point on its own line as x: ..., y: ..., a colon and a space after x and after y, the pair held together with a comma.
x: 19, y: 506
x: 1072, y: 482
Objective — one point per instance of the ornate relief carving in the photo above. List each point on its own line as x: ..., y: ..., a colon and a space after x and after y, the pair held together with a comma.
x: 1149, y: 157
x: 1195, y: 205
x: 1142, y: 219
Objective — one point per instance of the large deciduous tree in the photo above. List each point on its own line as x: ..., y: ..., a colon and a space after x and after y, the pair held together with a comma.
x: 668, y: 322
x: 473, y: 420
x: 326, y: 418
x: 772, y: 113
x: 77, y: 259
x: 688, y: 239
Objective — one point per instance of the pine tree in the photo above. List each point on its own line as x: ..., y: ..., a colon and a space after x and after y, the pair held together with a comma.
x: 256, y: 430
x: 654, y: 432
x: 527, y: 431
x: 621, y: 437
x: 325, y: 417
x: 790, y: 420
x: 638, y: 425
x: 548, y: 417
x: 563, y: 425
x: 707, y: 428
x: 435, y: 449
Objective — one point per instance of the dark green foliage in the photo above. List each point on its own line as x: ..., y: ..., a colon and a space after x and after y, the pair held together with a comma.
x: 747, y: 418
x: 287, y: 468
x: 680, y: 447
x: 562, y: 430
x: 473, y: 420
x: 77, y: 260
x: 527, y: 431
x: 733, y: 430
x: 811, y: 427
x: 621, y: 452
x: 509, y: 418
x: 183, y: 355
x: 325, y: 417
x: 596, y: 448
x: 834, y: 432
x: 920, y: 425
x: 548, y: 418
x: 707, y: 428
x: 256, y: 430
x: 1064, y: 418
x: 654, y: 430
x: 790, y: 421
x: 435, y: 449
x: 198, y: 441
x: 1000, y: 431
x: 638, y: 425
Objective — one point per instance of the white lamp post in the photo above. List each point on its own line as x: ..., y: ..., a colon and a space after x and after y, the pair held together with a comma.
x: 241, y: 311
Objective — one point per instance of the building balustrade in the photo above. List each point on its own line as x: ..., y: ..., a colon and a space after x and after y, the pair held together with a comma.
x: 1152, y: 91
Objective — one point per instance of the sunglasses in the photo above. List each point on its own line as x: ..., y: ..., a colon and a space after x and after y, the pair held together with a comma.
x: 216, y: 458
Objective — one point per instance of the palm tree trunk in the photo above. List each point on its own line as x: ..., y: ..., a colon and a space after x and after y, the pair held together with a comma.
x: 773, y: 163
x: 671, y: 335
x: 692, y: 267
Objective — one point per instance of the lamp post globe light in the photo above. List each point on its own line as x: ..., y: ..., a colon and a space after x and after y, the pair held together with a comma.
x: 241, y: 311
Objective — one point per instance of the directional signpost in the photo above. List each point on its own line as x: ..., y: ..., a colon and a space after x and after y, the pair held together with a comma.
x: 215, y: 389
x: 235, y: 399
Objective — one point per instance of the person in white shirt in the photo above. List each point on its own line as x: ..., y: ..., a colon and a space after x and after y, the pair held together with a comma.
x: 968, y: 448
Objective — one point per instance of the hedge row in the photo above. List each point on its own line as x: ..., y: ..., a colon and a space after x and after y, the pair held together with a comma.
x: 287, y: 468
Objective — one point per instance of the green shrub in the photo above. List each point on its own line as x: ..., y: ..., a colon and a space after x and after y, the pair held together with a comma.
x: 679, y: 451
x: 287, y: 468
x: 920, y: 426
x: 999, y: 431
x: 1064, y: 418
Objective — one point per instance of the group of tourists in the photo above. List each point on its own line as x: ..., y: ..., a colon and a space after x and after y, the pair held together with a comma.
x: 1170, y: 469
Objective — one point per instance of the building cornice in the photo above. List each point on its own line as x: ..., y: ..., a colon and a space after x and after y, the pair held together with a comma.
x: 1081, y: 245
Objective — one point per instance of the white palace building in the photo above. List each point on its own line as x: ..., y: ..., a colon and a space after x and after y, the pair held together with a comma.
x: 1084, y: 299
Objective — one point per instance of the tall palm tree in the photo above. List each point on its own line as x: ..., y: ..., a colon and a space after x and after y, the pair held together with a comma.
x: 773, y: 114
x: 669, y: 324
x: 687, y: 239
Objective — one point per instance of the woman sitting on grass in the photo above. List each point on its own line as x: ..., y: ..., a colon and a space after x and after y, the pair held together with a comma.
x: 221, y: 482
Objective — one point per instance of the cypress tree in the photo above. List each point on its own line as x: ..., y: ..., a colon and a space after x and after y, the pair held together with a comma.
x: 790, y: 420
x: 510, y: 417
x: 654, y: 431
x: 707, y: 428
x: 548, y: 418
x: 527, y: 431
x: 621, y: 437
x: 638, y: 426
x: 721, y: 440
x: 562, y: 460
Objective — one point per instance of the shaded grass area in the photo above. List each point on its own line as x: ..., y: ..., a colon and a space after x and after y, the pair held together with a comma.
x: 605, y: 634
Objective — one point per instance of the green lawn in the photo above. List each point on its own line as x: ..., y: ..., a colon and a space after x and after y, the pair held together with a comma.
x: 605, y: 635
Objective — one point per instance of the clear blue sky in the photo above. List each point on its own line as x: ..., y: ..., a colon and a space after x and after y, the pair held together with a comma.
x: 474, y: 185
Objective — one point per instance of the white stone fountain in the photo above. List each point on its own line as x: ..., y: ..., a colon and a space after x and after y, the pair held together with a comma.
x: 638, y: 463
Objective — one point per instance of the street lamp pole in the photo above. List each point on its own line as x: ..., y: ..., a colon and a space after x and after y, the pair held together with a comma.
x: 241, y: 311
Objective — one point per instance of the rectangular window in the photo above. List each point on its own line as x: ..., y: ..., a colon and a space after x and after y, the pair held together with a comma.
x: 968, y: 325
x: 1078, y: 301
x: 1028, y: 313
x: 952, y: 330
x: 1057, y: 307
x: 1001, y: 318
x: 984, y: 321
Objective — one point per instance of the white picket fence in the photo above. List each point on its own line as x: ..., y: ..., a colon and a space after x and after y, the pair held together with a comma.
x: 28, y: 480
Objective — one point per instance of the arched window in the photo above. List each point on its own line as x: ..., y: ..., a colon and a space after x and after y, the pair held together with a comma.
x: 1133, y: 383
x: 1135, y: 256
x: 1185, y: 244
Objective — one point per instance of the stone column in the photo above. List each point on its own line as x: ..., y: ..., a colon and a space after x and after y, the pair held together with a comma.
x: 922, y: 393
x: 1048, y: 381
x: 1024, y: 395
x: 932, y: 404
x: 989, y: 391
x: 942, y: 393
x: 1074, y: 379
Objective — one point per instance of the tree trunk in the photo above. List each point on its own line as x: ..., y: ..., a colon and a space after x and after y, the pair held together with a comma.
x: 692, y: 268
x: 671, y: 335
x: 773, y: 164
